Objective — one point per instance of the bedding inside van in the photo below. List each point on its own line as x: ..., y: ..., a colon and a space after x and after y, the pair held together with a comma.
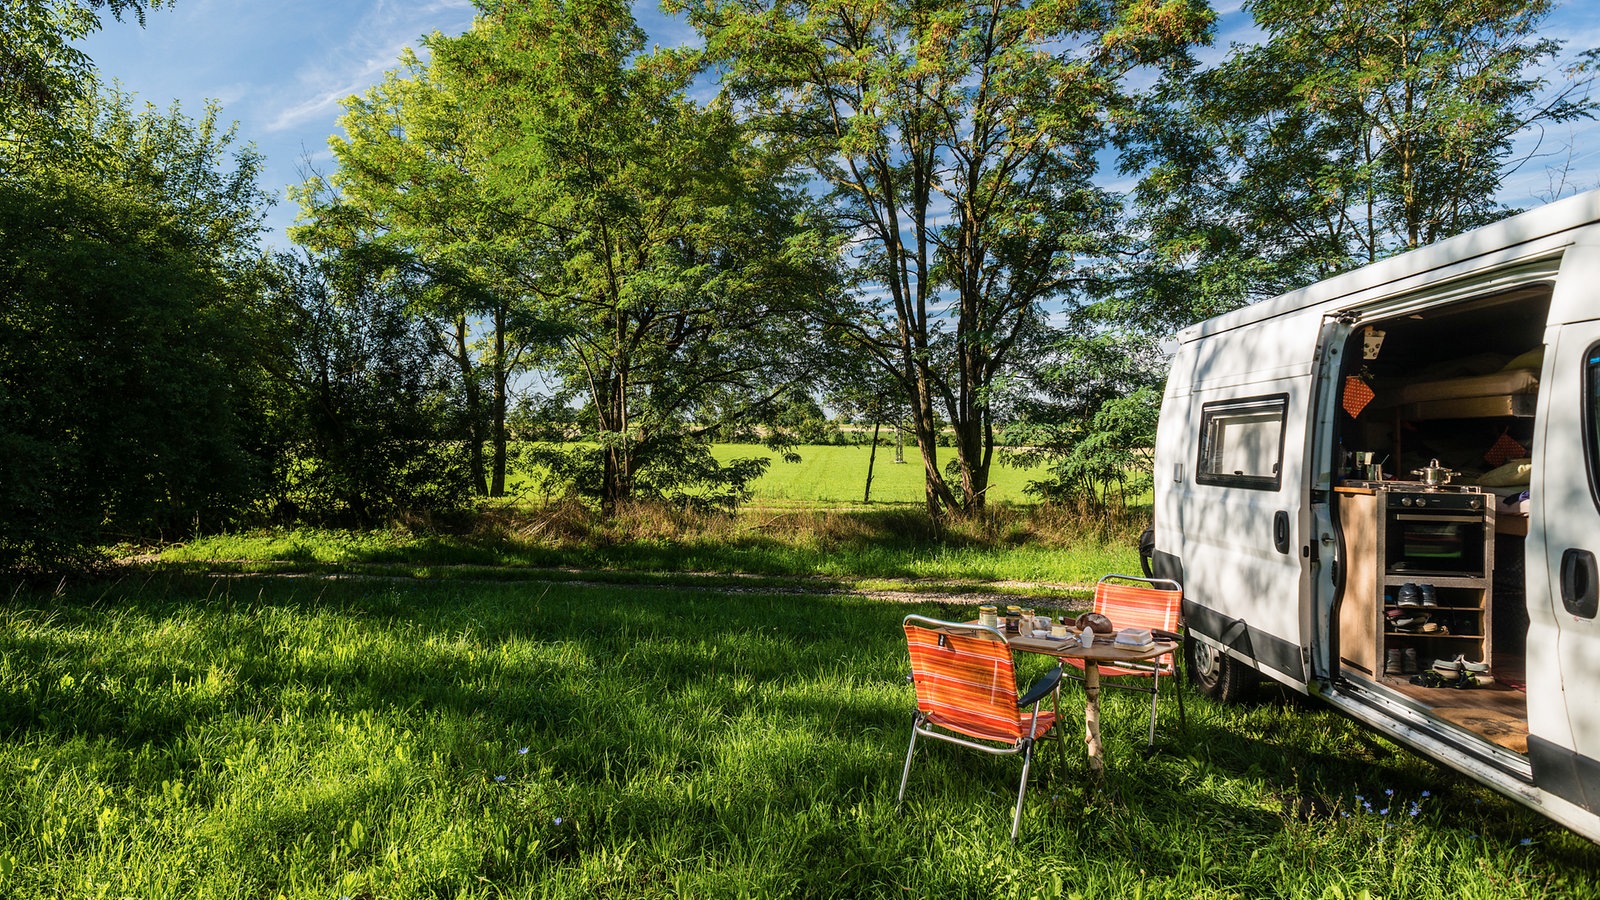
x: 1509, y: 381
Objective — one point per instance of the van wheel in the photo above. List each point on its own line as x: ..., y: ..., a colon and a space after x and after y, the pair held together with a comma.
x: 1216, y: 674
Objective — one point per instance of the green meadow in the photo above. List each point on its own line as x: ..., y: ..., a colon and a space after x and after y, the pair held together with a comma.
x: 663, y: 705
x: 269, y: 736
x: 837, y: 475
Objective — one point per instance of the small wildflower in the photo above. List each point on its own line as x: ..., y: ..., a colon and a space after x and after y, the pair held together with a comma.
x: 499, y: 778
x: 1384, y: 811
x: 1525, y: 841
x: 1388, y: 792
x: 1427, y: 793
x: 558, y: 820
x: 523, y: 752
x: 1415, y: 810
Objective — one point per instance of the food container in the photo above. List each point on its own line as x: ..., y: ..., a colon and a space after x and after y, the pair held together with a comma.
x: 1013, y: 617
x: 989, y: 615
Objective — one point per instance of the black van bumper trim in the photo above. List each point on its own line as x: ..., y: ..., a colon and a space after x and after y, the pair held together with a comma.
x: 1565, y: 773
x: 1238, y: 636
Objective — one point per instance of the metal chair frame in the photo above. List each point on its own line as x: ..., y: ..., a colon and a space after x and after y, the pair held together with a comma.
x: 924, y: 723
x: 1170, y: 628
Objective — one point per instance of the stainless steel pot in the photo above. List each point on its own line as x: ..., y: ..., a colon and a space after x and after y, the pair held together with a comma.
x: 1434, y: 475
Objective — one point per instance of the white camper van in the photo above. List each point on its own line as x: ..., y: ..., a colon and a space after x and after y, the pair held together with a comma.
x: 1384, y: 490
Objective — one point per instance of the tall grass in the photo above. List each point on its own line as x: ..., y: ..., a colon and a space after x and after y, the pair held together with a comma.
x: 1005, y: 545
x: 265, y: 737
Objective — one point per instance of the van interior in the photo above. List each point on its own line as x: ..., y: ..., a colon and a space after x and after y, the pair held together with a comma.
x: 1431, y: 499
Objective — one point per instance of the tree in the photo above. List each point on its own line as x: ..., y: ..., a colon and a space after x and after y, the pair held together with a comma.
x: 959, y: 142
x: 42, y: 74
x: 1357, y: 129
x: 125, y: 376
x: 363, y: 411
x: 670, y: 251
x: 411, y: 189
x: 1088, y: 411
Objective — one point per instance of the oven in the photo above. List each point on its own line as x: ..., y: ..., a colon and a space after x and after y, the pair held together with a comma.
x: 1439, y: 533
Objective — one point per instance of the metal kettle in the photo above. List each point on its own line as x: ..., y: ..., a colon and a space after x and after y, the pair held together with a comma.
x: 1434, y: 475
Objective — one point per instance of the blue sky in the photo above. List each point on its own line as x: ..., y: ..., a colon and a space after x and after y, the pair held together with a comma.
x: 281, y: 69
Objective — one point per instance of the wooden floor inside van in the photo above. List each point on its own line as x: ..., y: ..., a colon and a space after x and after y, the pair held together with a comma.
x: 1498, y: 714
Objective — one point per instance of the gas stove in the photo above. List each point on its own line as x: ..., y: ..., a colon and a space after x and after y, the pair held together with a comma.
x: 1441, y: 498
x: 1423, y: 487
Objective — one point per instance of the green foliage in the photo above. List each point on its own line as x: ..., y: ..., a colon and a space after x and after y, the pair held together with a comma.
x: 411, y: 739
x: 363, y: 413
x: 1354, y: 130
x: 1088, y: 411
x: 959, y: 143
x: 131, y: 361
x: 541, y: 164
x: 125, y: 371
x: 42, y: 75
x: 670, y: 467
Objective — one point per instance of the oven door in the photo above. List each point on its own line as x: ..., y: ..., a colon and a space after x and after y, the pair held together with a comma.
x: 1440, y: 544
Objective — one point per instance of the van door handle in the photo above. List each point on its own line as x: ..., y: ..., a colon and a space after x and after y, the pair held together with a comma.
x: 1580, y: 583
x: 1280, y: 530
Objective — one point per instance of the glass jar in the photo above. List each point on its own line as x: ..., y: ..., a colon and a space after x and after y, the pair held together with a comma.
x: 989, y: 615
x: 1013, y: 617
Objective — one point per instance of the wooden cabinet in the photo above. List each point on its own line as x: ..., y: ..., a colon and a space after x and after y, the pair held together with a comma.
x: 1373, y: 577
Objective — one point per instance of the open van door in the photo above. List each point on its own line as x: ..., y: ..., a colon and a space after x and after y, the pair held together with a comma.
x: 1564, y: 544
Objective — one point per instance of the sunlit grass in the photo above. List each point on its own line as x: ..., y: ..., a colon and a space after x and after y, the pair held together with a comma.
x: 1007, y: 545
x: 258, y: 737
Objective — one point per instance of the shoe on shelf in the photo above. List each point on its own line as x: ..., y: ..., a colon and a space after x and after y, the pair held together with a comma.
x: 1408, y: 661
x: 1429, y: 597
x: 1434, y: 628
x: 1413, y: 622
x: 1476, y: 668
x: 1393, y: 662
x: 1450, y: 668
x: 1409, y: 595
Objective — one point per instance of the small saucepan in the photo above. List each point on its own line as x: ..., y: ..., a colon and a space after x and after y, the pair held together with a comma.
x: 1434, y: 475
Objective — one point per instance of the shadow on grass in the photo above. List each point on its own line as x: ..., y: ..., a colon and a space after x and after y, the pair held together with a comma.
x: 751, y: 734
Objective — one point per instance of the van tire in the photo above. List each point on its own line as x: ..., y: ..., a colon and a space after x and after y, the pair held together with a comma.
x: 1216, y: 674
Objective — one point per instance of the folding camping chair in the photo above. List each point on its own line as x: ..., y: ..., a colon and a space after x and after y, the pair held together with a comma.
x: 1153, y: 603
x: 967, y: 692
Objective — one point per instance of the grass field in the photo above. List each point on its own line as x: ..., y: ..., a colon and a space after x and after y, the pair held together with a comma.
x: 837, y: 476
x: 393, y: 738
x: 846, y: 547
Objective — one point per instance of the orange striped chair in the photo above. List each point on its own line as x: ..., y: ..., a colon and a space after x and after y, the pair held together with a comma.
x: 1153, y: 603
x: 967, y: 694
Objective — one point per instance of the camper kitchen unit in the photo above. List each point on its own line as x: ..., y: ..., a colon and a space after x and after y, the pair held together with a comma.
x: 1384, y: 490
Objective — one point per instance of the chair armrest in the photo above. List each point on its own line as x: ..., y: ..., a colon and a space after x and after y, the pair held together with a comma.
x: 1037, y: 691
x: 1162, y: 635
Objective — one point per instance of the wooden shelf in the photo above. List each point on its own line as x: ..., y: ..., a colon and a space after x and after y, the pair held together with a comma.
x: 1363, y: 635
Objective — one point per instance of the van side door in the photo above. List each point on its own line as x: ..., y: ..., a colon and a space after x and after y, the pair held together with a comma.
x: 1233, y: 462
x: 1564, y: 544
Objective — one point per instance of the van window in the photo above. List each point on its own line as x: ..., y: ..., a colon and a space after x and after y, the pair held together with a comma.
x: 1591, y: 410
x: 1241, y: 442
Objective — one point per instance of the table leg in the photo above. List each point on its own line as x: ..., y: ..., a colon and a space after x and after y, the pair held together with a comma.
x: 1091, y: 716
